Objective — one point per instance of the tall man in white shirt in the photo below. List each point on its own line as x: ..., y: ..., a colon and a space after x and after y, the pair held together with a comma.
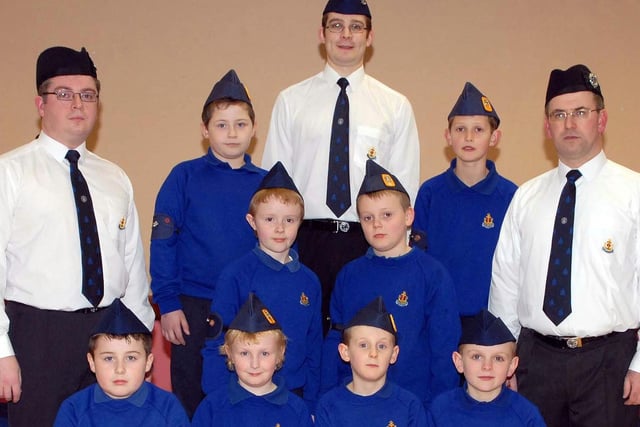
x: 577, y: 343
x: 381, y: 126
x: 45, y: 317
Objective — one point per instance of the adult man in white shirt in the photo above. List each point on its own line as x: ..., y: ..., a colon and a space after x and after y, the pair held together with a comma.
x: 46, y: 319
x: 381, y: 127
x: 582, y: 367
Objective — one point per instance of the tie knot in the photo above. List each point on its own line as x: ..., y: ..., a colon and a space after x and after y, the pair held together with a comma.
x: 573, y: 175
x: 343, y: 83
x: 72, y: 156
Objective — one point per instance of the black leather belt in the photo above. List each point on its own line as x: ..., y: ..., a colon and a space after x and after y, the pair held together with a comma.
x: 332, y: 225
x: 575, y: 342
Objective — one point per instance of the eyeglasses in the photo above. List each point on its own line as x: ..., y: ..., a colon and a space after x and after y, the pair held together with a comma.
x: 354, y: 27
x: 68, y: 95
x: 578, y: 114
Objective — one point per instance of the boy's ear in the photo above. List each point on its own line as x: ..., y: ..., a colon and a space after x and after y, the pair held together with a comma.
x: 409, y: 216
x: 204, y: 131
x: 447, y: 136
x: 251, y: 220
x: 394, y: 354
x: 92, y: 363
x: 457, y: 362
x: 149, y: 362
x: 495, y: 138
x: 513, y: 366
x: 343, y: 350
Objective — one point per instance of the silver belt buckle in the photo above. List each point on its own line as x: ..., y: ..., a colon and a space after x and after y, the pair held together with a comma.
x: 343, y: 226
x: 574, y: 342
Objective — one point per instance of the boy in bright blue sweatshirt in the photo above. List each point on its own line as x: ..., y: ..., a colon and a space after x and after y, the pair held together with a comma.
x: 415, y: 287
x: 461, y: 210
x: 199, y: 227
x: 272, y: 270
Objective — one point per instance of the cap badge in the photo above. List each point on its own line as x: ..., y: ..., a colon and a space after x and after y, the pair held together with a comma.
x: 304, y: 300
x: 593, y: 80
x: 403, y: 299
x: 393, y: 323
x: 388, y: 180
x: 488, y: 221
x: 372, y: 153
x: 123, y: 223
x: 608, y: 246
x: 486, y: 104
x: 268, y: 316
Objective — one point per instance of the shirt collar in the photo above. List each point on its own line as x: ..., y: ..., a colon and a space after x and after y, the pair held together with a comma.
x: 58, y: 150
x: 589, y: 170
x: 486, y: 186
x: 331, y: 76
x: 293, y: 265
x: 279, y: 396
x: 137, y: 399
x: 213, y: 160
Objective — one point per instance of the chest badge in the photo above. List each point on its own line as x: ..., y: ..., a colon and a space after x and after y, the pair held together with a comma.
x: 487, y: 222
x: 372, y: 153
x: 304, y: 299
x: 123, y: 223
x: 608, y: 246
x: 403, y: 299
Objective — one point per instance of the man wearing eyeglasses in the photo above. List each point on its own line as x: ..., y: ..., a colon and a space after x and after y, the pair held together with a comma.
x: 379, y: 124
x: 70, y: 243
x: 566, y: 270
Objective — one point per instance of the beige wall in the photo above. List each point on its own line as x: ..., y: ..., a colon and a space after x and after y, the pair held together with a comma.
x: 158, y: 59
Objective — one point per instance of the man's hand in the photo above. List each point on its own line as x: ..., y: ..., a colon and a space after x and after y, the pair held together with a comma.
x: 10, y: 379
x: 173, y: 324
x: 631, y: 389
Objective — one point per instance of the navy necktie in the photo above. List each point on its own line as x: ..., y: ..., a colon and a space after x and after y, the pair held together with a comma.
x: 557, y: 295
x: 92, y: 281
x: 338, y: 187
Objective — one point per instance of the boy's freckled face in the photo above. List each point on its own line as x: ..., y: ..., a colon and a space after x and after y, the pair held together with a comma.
x: 486, y: 368
x: 229, y: 133
x: 384, y: 223
x: 120, y: 366
x: 276, y: 225
x: 470, y: 137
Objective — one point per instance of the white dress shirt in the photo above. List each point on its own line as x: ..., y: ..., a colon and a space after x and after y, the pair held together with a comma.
x: 605, y: 284
x: 41, y: 262
x: 381, y: 126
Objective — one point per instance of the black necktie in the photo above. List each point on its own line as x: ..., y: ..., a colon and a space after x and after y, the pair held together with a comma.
x: 557, y: 295
x: 92, y: 281
x: 338, y: 188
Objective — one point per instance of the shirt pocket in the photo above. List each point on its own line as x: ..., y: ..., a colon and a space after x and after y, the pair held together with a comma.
x: 369, y: 143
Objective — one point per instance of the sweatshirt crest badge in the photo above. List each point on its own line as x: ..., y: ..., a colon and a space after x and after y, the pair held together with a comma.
x: 403, y: 299
x: 304, y: 300
x: 487, y: 222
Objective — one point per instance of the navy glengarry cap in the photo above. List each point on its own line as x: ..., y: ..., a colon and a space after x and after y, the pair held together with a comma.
x: 375, y: 314
x: 378, y: 178
x: 278, y: 177
x: 472, y: 102
x: 119, y: 320
x: 574, y: 79
x: 348, y: 7
x: 229, y: 87
x: 63, y: 61
x: 254, y: 317
x: 485, y: 329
